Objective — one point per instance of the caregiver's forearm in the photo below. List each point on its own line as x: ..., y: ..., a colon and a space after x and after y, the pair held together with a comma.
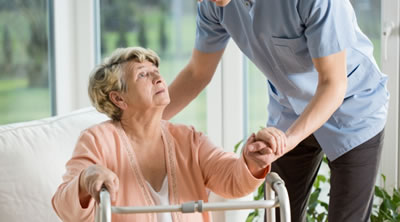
x: 331, y: 89
x: 326, y: 100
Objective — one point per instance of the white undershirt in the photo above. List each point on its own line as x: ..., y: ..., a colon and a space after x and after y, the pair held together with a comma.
x: 161, y: 198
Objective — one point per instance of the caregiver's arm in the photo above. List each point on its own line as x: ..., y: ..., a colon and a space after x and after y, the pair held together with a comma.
x: 191, y: 81
x: 331, y: 89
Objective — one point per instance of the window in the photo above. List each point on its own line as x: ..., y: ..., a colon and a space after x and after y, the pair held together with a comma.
x: 257, y: 98
x: 368, y: 14
x: 24, y: 61
x: 166, y: 27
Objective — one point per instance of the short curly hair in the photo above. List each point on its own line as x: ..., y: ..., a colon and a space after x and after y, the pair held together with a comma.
x: 109, y: 76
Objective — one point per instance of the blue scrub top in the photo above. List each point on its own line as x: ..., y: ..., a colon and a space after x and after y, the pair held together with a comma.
x: 280, y: 37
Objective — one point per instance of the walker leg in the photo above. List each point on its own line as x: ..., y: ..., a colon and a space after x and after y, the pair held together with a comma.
x: 269, y: 195
x: 279, y: 187
x: 103, y: 209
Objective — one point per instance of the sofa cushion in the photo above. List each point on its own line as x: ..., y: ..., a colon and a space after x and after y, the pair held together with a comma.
x: 32, y: 161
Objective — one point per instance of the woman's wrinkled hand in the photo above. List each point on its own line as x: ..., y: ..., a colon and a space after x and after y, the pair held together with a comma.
x: 258, y: 156
x: 93, y: 178
x: 274, y: 139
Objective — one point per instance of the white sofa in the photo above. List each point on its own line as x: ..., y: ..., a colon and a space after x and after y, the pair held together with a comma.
x: 32, y: 161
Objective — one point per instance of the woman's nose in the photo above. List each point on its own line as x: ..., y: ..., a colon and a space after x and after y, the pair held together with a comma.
x: 156, y: 78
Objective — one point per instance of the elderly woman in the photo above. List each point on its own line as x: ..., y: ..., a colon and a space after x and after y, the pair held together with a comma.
x: 143, y: 160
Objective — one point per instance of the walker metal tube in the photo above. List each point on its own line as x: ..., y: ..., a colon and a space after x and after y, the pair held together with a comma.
x: 278, y: 185
x: 104, y: 209
x: 214, y: 206
x: 269, y: 195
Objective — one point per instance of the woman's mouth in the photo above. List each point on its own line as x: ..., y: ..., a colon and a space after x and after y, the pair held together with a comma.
x: 160, y: 91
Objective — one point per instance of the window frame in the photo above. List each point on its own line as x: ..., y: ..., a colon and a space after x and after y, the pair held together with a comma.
x: 390, y: 166
x: 75, y: 52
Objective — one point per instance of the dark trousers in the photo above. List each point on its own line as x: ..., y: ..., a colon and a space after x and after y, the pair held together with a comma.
x: 352, y: 179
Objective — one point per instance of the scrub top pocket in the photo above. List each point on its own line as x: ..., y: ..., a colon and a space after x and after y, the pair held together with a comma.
x: 292, y: 55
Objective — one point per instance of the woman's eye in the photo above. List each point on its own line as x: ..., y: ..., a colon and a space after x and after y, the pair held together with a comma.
x: 142, y: 74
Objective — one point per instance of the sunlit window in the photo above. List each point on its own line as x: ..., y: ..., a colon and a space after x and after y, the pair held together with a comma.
x: 369, y: 19
x: 24, y: 61
x: 167, y: 27
x: 257, y: 98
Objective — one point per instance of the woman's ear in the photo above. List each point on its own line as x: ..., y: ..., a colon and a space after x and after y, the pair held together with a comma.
x: 118, y: 100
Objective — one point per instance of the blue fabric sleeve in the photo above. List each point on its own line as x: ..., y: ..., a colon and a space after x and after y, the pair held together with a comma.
x: 329, y: 26
x: 211, y: 36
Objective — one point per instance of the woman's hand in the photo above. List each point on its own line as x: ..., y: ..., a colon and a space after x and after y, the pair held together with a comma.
x: 258, y: 156
x: 91, y: 181
x: 274, y: 139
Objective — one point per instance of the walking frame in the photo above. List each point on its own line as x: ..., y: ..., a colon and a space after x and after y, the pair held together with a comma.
x: 275, y: 190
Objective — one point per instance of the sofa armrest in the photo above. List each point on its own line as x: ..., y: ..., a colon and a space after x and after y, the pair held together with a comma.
x: 32, y: 161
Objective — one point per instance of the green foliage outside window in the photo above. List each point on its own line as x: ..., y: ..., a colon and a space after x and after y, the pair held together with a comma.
x: 24, y: 74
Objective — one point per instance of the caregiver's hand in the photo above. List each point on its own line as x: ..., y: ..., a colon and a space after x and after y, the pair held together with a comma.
x: 258, y: 156
x: 91, y: 181
x: 274, y: 138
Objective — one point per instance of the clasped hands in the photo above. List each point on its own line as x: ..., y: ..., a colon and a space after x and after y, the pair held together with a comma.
x: 263, y: 148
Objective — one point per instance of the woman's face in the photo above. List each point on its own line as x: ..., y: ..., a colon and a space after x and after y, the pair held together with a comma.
x: 146, y: 88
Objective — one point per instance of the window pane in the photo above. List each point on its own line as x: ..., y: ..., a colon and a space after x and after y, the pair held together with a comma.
x: 369, y: 19
x: 24, y: 73
x: 167, y: 27
x: 257, y: 98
